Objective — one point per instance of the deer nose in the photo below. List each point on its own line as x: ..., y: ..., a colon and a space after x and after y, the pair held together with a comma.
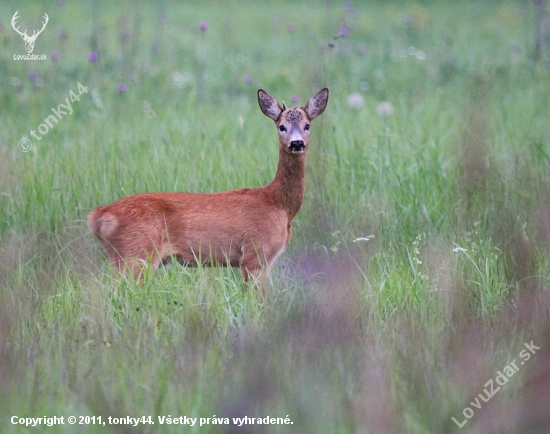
x: 297, y: 146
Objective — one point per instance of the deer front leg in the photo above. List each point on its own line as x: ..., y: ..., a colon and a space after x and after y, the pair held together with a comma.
x: 257, y: 276
x: 252, y: 275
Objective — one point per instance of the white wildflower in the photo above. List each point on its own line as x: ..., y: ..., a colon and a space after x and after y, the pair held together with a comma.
x: 385, y: 108
x: 336, y: 242
x: 356, y: 100
x: 96, y: 99
x: 15, y: 81
x: 420, y: 55
x: 181, y: 79
x: 367, y: 238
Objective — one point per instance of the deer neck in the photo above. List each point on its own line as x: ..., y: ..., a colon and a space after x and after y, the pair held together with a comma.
x: 288, y: 186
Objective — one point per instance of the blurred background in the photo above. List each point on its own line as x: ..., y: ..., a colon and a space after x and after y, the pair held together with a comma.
x: 418, y: 267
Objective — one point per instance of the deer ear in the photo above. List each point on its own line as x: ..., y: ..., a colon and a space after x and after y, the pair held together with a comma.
x: 317, y: 104
x: 269, y: 105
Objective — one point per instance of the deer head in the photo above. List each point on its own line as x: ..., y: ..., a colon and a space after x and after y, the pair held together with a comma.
x: 29, y: 40
x: 293, y: 124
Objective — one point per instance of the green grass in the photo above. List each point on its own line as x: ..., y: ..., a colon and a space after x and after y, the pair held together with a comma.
x: 397, y: 333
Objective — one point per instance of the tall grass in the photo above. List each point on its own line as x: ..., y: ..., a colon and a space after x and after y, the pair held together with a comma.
x: 419, y: 263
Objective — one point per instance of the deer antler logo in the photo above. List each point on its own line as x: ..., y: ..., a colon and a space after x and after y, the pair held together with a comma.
x: 29, y: 40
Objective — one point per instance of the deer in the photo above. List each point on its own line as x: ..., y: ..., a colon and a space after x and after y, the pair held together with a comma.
x: 29, y: 40
x: 247, y: 228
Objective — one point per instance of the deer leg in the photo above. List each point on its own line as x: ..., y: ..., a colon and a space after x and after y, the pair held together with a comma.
x: 257, y: 276
x: 137, y: 265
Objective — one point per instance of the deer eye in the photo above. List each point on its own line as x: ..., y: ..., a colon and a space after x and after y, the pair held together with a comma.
x: 282, y: 128
x: 306, y: 127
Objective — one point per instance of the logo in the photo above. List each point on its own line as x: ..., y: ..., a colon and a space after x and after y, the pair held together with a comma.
x: 29, y: 40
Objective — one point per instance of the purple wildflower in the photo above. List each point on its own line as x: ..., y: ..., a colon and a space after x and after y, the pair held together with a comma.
x: 62, y: 33
x: 408, y: 20
x: 291, y: 28
x: 122, y: 88
x: 294, y: 99
x: 343, y: 31
x: 248, y: 79
x: 92, y: 57
x: 54, y: 55
x: 203, y: 25
x: 33, y: 76
x: 348, y: 7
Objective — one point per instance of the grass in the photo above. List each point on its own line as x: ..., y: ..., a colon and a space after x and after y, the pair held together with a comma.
x: 397, y: 333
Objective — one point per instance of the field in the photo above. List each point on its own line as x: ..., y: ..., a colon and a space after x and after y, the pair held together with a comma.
x: 414, y: 295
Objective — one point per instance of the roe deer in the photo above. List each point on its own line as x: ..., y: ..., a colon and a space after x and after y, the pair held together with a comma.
x: 247, y: 228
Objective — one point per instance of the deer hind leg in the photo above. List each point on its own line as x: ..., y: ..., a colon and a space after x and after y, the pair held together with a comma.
x: 129, y: 266
x: 136, y: 265
x: 127, y: 256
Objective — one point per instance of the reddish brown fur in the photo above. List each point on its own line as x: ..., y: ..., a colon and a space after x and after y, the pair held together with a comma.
x: 247, y: 228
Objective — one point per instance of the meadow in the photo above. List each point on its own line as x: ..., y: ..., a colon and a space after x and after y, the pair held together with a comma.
x: 417, y: 278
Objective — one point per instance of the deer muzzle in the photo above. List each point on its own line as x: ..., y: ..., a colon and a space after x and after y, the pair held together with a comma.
x: 297, y: 146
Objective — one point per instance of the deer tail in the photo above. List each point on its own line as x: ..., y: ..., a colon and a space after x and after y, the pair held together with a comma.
x: 102, y: 223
